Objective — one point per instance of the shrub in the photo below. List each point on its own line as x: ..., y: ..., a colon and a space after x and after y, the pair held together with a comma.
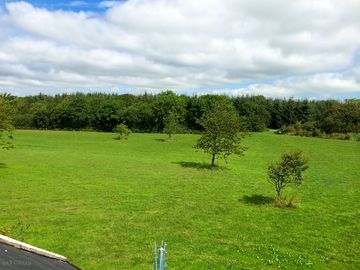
x: 356, y: 136
x: 310, y: 129
x: 287, y: 130
x: 347, y: 136
x: 123, y: 131
x: 339, y: 136
x: 288, y: 171
x: 317, y: 133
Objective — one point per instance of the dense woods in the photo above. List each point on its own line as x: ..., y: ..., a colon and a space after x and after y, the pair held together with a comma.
x: 6, y: 127
x: 148, y: 112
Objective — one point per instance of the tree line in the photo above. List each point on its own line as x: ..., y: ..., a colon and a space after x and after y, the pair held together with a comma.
x: 6, y: 127
x: 149, y: 112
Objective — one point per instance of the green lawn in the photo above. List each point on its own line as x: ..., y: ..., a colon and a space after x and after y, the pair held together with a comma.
x: 102, y: 203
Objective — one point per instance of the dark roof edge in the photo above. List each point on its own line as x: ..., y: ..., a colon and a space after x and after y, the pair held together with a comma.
x: 17, y: 244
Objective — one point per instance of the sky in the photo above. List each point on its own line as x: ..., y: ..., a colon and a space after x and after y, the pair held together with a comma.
x: 276, y: 48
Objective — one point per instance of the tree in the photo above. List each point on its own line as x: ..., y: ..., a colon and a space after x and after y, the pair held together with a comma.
x: 172, y: 125
x: 253, y: 111
x: 123, y: 131
x: 165, y: 102
x: 107, y: 115
x: 40, y: 116
x: 139, y: 117
x: 288, y: 171
x: 6, y: 127
x: 346, y: 116
x: 148, y: 112
x: 72, y: 113
x: 221, y: 132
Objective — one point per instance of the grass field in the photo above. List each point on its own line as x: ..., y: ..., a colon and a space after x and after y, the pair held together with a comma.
x: 102, y: 203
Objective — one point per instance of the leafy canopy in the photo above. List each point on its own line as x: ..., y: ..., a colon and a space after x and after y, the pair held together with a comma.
x: 123, y: 131
x: 287, y: 171
x: 172, y: 124
x: 6, y: 127
x: 221, y: 136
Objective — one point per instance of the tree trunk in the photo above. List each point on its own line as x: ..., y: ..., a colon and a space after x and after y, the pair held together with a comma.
x: 278, y: 199
x: 213, y: 160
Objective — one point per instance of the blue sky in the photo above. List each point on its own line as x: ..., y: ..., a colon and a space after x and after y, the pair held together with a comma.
x: 76, y: 6
x: 276, y: 48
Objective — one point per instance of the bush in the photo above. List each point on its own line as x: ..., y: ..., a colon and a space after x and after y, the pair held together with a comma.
x: 356, y: 136
x: 317, y: 133
x: 123, y: 131
x: 310, y: 129
x: 338, y: 136
x: 347, y: 136
x: 287, y: 130
x: 288, y: 171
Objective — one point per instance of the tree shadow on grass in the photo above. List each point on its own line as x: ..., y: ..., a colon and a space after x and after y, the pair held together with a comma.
x: 257, y: 199
x: 198, y: 165
x: 120, y: 140
x: 2, y: 165
x: 166, y: 140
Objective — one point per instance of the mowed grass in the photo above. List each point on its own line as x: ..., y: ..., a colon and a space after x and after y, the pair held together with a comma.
x: 102, y: 202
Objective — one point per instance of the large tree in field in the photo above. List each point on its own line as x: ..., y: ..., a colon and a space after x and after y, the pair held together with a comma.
x: 221, y: 136
x: 6, y: 126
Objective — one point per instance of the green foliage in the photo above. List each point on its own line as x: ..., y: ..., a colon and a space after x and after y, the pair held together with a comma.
x: 139, y: 116
x: 286, y: 172
x: 307, y: 129
x: 171, y: 125
x: 253, y: 111
x: 147, y: 113
x: 221, y: 132
x: 107, y: 115
x: 123, y: 131
x: 197, y: 106
x: 6, y: 127
x: 73, y: 111
x: 344, y: 117
x: 310, y: 129
x: 168, y: 102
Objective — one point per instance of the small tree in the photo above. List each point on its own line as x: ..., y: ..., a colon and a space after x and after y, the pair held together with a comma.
x: 123, y: 131
x: 288, y: 171
x: 172, y: 125
x: 221, y: 133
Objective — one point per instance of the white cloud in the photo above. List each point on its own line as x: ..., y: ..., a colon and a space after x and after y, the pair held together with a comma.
x: 184, y: 44
x: 320, y: 85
